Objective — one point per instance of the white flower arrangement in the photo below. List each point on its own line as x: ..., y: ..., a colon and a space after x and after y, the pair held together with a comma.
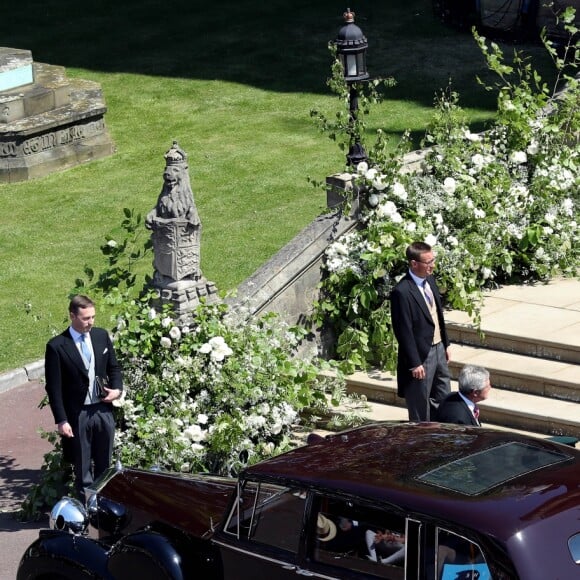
x: 216, y: 397
x: 496, y: 206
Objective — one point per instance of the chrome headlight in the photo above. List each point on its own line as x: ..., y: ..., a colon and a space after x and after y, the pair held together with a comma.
x: 69, y: 514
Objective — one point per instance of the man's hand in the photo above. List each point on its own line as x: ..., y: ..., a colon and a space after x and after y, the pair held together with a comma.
x: 112, y: 394
x: 418, y: 372
x: 65, y: 429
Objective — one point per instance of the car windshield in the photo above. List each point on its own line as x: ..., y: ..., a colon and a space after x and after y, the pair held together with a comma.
x: 481, y: 471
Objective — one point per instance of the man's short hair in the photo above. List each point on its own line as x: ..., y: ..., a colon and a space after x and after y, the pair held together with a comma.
x: 415, y: 250
x: 79, y: 301
x: 472, y: 378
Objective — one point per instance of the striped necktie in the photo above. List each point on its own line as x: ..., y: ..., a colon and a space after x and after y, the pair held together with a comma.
x: 428, y: 292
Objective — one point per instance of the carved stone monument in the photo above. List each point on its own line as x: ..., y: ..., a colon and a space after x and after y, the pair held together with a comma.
x: 176, y: 234
x: 47, y: 121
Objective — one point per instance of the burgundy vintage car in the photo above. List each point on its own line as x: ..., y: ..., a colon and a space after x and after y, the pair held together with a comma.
x: 401, y: 501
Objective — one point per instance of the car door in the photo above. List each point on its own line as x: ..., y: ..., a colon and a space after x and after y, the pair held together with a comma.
x: 356, y: 538
x: 264, y: 533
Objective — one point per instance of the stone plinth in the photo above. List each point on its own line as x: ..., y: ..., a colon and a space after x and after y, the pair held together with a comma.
x: 185, y: 296
x: 15, y: 68
x: 47, y: 121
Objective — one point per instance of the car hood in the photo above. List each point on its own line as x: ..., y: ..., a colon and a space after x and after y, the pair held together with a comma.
x: 192, y: 503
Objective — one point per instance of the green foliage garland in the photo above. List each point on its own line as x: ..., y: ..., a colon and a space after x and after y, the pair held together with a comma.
x: 500, y: 206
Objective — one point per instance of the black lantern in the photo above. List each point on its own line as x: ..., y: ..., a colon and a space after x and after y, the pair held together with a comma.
x: 351, y: 48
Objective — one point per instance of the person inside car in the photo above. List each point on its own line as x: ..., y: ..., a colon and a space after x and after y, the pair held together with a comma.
x: 345, y: 536
x: 385, y: 546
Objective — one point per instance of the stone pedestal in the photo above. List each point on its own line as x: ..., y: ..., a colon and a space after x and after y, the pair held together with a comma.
x: 185, y: 295
x: 47, y: 121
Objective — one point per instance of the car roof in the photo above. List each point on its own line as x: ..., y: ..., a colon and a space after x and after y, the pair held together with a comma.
x: 506, y: 480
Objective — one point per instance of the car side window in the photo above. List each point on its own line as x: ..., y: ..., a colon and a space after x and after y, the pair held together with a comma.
x: 459, y: 558
x: 359, y: 538
x: 268, y: 514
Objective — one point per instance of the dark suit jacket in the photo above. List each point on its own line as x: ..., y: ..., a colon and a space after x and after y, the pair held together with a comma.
x: 413, y: 327
x: 453, y: 409
x: 67, y: 380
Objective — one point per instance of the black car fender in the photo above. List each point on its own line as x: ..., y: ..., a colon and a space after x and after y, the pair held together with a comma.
x: 151, y: 555
x: 60, y: 555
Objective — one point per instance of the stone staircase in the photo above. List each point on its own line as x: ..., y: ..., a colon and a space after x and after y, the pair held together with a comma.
x: 530, y: 345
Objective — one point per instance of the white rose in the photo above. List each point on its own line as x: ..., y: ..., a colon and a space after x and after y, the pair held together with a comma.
x: 166, y: 322
x: 165, y: 342
x: 373, y: 200
x: 195, y: 433
x: 449, y: 185
x: 112, y: 244
x: 362, y: 168
x: 518, y: 157
x: 152, y: 314
x: 399, y: 190
x: 175, y: 333
x: 431, y: 240
x: 533, y: 148
x: 371, y: 174
x: 379, y: 184
x: 205, y: 348
x: 478, y: 160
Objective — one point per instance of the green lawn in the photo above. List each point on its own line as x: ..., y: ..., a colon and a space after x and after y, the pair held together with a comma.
x: 234, y: 83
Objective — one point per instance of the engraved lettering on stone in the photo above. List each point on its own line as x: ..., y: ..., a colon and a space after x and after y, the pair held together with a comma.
x: 8, y: 149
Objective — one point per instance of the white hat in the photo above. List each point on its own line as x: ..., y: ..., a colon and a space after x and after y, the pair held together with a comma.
x: 325, y: 528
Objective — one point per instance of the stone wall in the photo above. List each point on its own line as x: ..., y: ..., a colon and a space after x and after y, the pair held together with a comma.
x: 287, y: 283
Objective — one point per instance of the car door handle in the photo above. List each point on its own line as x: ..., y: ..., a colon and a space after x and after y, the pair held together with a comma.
x: 304, y: 572
x: 288, y: 567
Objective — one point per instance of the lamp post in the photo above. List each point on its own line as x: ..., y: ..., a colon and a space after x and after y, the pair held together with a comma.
x: 351, y: 47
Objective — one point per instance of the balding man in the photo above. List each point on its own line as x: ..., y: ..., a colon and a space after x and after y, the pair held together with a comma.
x: 461, y: 407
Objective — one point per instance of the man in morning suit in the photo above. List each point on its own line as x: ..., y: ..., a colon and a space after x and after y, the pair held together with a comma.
x: 418, y: 323
x: 461, y: 407
x: 84, y: 416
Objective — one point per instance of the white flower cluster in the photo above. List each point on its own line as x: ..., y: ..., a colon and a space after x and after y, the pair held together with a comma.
x: 217, y: 348
x: 343, y: 254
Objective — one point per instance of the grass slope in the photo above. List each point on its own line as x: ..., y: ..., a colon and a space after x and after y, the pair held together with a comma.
x: 233, y: 82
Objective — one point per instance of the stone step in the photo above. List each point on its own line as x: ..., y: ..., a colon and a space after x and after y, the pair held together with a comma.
x: 381, y: 412
x: 540, y: 320
x: 508, y: 409
x: 523, y: 374
x: 525, y: 345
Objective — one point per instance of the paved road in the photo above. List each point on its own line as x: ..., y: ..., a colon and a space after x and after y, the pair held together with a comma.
x: 21, y: 455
